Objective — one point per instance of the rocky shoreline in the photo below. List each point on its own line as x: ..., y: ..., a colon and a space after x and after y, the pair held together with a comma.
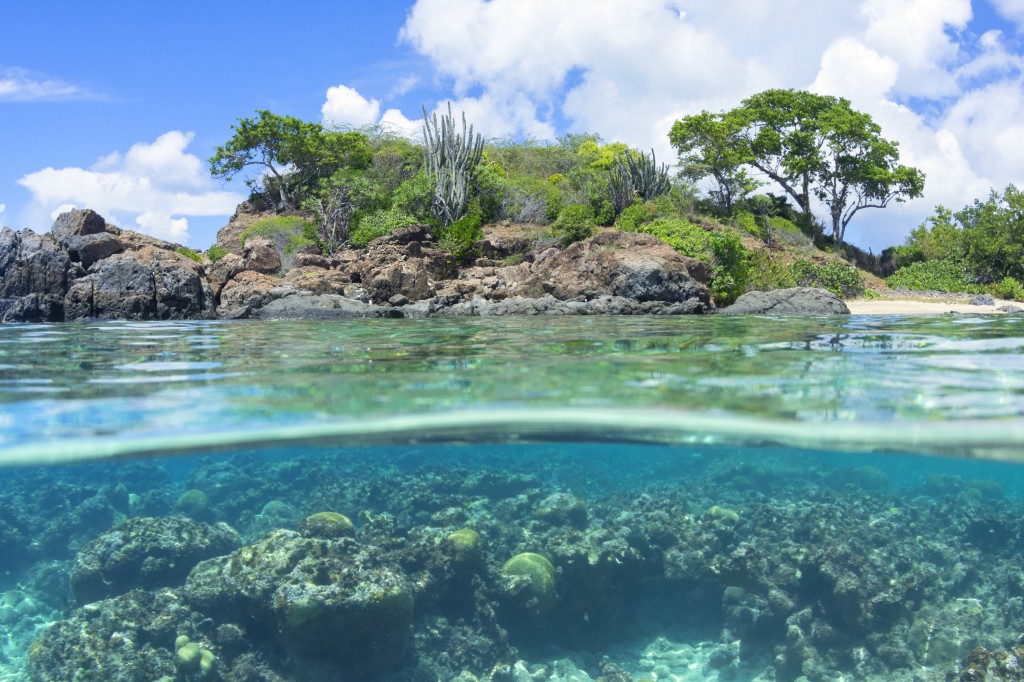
x: 86, y: 268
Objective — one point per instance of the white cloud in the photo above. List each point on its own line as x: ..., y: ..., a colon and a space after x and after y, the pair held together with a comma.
x: 3, y: 211
x: 1011, y: 9
x: 627, y: 68
x: 346, y: 107
x: 20, y: 85
x: 404, y: 85
x: 395, y: 121
x: 158, y: 182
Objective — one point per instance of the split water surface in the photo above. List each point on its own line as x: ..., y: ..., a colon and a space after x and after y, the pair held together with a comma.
x: 698, y: 498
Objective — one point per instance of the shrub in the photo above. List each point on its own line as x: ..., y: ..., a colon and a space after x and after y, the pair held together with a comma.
x: 460, y: 238
x: 215, y: 253
x: 842, y: 279
x: 938, y: 275
x: 767, y: 273
x: 378, y: 224
x: 575, y: 223
x: 189, y: 253
x: 633, y: 217
x: 279, y: 230
x: 1008, y: 288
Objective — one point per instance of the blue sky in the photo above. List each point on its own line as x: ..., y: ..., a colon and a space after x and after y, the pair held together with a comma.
x: 117, y: 105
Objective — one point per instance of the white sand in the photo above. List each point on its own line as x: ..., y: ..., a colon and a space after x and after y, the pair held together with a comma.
x: 908, y: 307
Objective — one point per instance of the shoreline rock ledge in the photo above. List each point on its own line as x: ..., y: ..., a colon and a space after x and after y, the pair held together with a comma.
x: 86, y: 268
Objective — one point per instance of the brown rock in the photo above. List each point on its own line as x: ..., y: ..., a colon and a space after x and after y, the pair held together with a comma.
x: 318, y: 280
x: 312, y: 259
x: 223, y: 270
x: 246, y: 215
x: 261, y: 256
x: 246, y: 291
x: 613, y: 263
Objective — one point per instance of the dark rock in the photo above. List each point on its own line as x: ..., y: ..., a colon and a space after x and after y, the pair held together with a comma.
x: 77, y: 223
x: 86, y: 236
x: 1015, y: 309
x: 248, y: 291
x: 150, y: 283
x: 146, y: 553
x: 33, y: 277
x: 398, y: 299
x: 405, y: 235
x: 983, y: 299
x: 796, y: 301
x: 219, y: 273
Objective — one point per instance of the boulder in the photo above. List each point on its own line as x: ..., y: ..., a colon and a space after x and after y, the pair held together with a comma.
x: 311, y: 259
x: 34, y: 273
x: 614, y: 263
x: 329, y: 599
x: 261, y: 256
x: 318, y: 280
x: 86, y: 236
x: 148, y: 284
x: 219, y: 273
x: 146, y: 553
x: 795, y: 301
x: 247, y: 291
x: 983, y: 299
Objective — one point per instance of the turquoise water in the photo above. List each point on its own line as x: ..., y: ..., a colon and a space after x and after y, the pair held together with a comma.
x: 713, y: 498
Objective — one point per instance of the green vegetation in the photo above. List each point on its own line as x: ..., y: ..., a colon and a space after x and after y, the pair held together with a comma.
x: 575, y: 223
x: 460, y: 238
x: 977, y: 249
x: 215, y: 253
x: 379, y: 223
x: 842, y: 279
x: 189, y: 253
x: 288, y: 233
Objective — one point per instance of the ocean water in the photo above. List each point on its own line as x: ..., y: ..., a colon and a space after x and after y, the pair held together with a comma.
x: 614, y: 499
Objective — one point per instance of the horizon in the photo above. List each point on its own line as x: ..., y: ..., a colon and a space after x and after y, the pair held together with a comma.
x: 118, y: 110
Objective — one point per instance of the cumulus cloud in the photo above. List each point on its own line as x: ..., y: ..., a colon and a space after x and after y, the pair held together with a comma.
x: 627, y: 68
x: 159, y: 183
x: 345, y: 107
x: 20, y: 85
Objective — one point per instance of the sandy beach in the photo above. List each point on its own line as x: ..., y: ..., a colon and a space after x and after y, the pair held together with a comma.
x: 920, y: 307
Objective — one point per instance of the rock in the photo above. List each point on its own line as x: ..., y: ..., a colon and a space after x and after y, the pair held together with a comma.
x: 127, y: 638
x: 398, y: 300
x: 983, y: 299
x: 146, y: 553
x: 358, y: 620
x: 318, y: 280
x: 306, y: 306
x: 405, y: 235
x: 614, y: 263
x: 312, y: 259
x: 147, y: 284
x: 1013, y: 309
x: 246, y: 215
x: 219, y: 273
x: 245, y: 292
x: 86, y: 236
x: 261, y: 256
x: 795, y: 301
x: 34, y: 274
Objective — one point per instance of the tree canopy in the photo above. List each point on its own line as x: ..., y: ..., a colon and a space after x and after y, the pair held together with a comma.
x: 810, y: 145
x: 290, y: 155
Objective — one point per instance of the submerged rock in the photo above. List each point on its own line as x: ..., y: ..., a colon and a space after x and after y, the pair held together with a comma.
x: 795, y: 301
x: 146, y: 553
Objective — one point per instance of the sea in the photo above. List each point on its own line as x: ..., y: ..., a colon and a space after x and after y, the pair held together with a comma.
x: 609, y: 499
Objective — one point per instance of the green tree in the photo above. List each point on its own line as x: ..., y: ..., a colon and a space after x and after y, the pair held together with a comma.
x: 290, y: 156
x: 810, y: 145
x: 994, y: 235
x: 710, y: 145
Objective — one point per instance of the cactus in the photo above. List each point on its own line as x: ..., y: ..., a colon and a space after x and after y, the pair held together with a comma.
x: 637, y: 176
x: 450, y: 160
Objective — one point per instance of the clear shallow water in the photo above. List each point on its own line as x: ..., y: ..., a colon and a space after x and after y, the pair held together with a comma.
x: 718, y: 498
x: 939, y: 384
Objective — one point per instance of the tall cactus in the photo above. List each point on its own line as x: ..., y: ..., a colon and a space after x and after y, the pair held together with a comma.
x: 451, y: 160
x: 637, y: 176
